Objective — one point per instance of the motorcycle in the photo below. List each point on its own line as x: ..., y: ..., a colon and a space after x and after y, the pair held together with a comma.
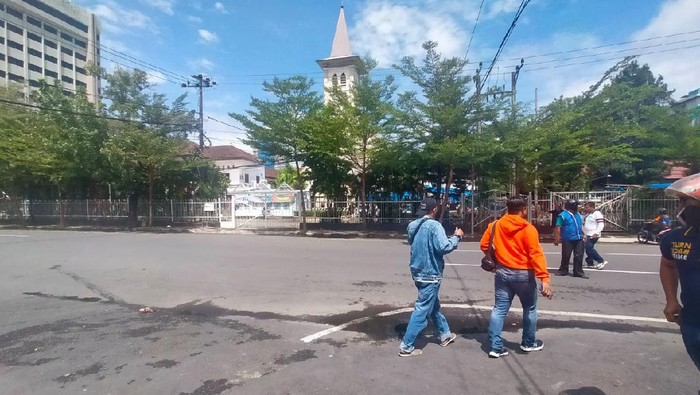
x: 651, y: 233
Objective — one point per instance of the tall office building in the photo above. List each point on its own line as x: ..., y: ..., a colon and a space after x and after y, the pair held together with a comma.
x: 51, y: 40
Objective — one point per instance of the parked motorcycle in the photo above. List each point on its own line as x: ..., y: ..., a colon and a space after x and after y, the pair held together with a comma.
x: 651, y: 233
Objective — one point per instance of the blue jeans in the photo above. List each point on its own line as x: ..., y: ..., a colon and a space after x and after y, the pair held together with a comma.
x: 427, y: 305
x: 691, y: 339
x: 508, y: 283
x: 591, y: 254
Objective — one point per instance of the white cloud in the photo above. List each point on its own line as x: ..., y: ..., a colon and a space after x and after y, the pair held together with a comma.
x: 220, y: 7
x: 207, y: 37
x: 164, y: 5
x: 387, y: 32
x: 201, y: 64
x: 156, y: 77
x: 677, y: 62
x: 119, y: 20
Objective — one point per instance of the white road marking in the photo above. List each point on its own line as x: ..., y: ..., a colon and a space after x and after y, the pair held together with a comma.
x: 325, y: 332
x: 1, y: 235
x: 555, y: 268
x: 559, y: 253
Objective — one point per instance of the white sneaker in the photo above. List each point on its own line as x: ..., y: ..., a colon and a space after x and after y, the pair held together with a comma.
x: 601, y: 265
x: 539, y: 344
x: 498, y: 354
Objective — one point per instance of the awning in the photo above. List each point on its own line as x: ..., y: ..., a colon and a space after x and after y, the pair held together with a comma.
x: 658, y: 185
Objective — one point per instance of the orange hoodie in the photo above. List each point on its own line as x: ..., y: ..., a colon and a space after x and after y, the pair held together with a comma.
x: 517, y: 245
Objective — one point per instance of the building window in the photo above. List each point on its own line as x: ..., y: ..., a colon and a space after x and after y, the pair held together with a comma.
x: 2, y: 73
x: 80, y: 70
x: 15, y: 45
x: 14, y: 13
x: 2, y: 23
x: 80, y: 84
x: 67, y: 79
x: 67, y: 37
x: 33, y: 21
x: 34, y: 83
x: 15, y: 61
x: 51, y: 74
x: 335, y: 79
x: 343, y: 79
x: 81, y: 44
x: 57, y: 14
x: 34, y: 52
x: 66, y: 65
x: 247, y: 180
x: 50, y: 44
x: 36, y: 68
x: 79, y: 56
x: 50, y: 59
x: 67, y: 51
x: 2, y: 57
x: 34, y: 37
x: 257, y: 179
x: 2, y: 40
x: 15, y: 29
x: 50, y: 29
x: 15, y: 77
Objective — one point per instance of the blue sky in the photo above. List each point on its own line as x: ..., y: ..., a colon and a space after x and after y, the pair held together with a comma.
x: 566, y: 44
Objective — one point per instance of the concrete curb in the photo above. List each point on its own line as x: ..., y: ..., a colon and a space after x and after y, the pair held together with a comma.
x: 627, y: 239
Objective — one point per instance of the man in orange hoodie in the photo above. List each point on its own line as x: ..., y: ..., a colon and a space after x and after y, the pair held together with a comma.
x: 521, y: 261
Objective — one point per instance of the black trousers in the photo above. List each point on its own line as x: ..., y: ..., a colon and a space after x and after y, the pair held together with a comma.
x: 567, y: 247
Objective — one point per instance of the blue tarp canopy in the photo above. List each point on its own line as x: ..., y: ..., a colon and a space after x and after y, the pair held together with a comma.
x: 659, y: 185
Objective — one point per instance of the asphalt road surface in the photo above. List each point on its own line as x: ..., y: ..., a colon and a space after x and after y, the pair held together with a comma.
x: 236, y: 314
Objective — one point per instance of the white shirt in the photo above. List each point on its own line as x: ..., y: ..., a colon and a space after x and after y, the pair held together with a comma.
x: 593, y: 223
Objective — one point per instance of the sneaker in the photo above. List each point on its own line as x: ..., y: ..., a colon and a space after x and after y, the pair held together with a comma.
x: 498, y: 354
x: 539, y: 344
x: 601, y: 265
x: 416, y: 352
x: 591, y: 265
x: 449, y: 340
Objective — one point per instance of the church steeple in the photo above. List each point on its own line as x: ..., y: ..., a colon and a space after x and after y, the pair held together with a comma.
x: 342, y: 67
x: 341, y: 42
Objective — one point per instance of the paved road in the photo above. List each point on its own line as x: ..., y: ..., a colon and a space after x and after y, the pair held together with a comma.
x: 231, y: 312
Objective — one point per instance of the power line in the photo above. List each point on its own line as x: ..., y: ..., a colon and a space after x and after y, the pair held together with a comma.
x: 227, y: 124
x: 481, y: 6
x: 16, y: 103
x: 523, y: 4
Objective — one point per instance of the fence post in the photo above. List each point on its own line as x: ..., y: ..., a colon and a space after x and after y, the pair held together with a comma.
x: 87, y: 208
x: 233, y: 210
x: 172, y: 212
x: 529, y: 211
x: 218, y: 209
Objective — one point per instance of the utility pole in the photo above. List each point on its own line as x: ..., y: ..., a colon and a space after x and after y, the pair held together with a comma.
x: 200, y: 83
x: 513, y: 81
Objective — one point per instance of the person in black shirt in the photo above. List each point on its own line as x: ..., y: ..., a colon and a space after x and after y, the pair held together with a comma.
x: 680, y: 264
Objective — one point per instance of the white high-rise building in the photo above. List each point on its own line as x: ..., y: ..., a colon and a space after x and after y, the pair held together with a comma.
x: 342, y: 67
x: 50, y: 40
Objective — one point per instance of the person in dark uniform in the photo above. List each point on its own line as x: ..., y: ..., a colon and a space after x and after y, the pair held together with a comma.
x: 568, y: 232
x: 680, y: 264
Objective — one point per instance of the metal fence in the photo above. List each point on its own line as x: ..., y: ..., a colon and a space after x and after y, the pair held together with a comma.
x: 281, y: 209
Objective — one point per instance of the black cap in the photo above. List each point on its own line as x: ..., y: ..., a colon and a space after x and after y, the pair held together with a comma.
x: 426, y: 206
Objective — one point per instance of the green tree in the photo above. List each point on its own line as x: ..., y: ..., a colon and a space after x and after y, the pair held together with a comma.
x: 280, y: 127
x: 144, y: 156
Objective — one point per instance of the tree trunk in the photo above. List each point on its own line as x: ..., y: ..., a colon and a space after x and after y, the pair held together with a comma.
x: 151, y: 181
x: 61, y: 213
x: 133, y: 219
x: 363, y: 199
x: 300, y: 187
x: 446, y: 197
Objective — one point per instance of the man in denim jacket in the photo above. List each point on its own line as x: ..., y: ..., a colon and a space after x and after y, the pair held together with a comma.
x: 428, y: 245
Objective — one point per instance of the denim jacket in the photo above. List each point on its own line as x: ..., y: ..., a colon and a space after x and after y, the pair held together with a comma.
x: 428, y: 245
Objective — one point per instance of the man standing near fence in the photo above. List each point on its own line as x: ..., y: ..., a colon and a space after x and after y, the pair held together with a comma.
x: 593, y: 224
x: 568, y: 232
x: 428, y: 245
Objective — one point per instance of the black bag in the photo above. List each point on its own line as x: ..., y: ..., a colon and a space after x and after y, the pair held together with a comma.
x: 489, y: 261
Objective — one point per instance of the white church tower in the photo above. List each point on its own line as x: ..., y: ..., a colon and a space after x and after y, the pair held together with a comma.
x: 342, y: 67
